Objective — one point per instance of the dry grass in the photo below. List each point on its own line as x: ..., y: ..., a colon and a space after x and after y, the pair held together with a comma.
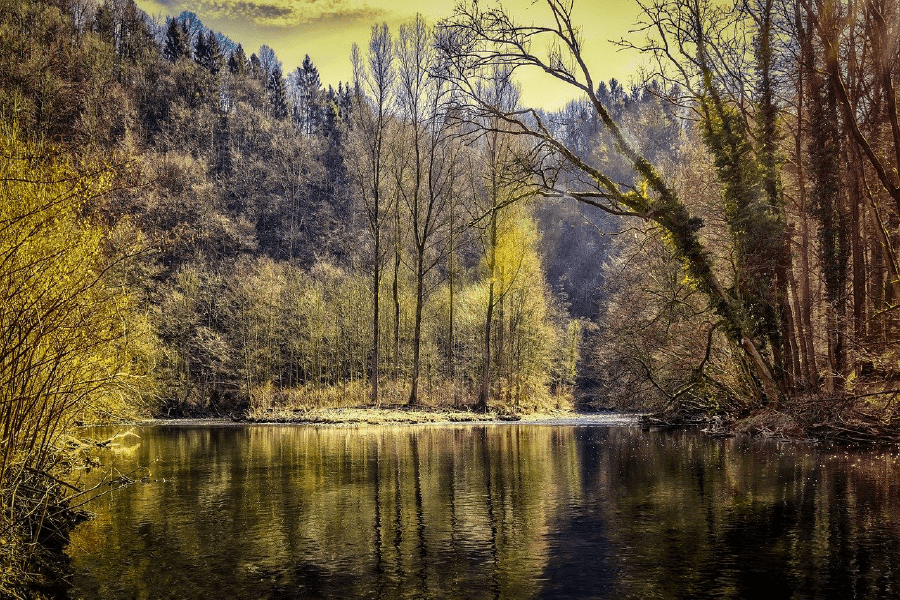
x: 351, y: 403
x: 368, y: 416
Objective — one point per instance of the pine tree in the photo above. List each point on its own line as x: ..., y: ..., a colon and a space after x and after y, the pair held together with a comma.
x: 208, y: 52
x: 237, y: 62
x: 201, y: 50
x: 308, y: 112
x: 176, y: 44
x: 278, y: 94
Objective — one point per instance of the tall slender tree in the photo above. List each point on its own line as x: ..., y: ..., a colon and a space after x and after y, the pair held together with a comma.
x: 427, y: 195
x: 308, y: 108
x: 277, y: 94
x: 373, y: 99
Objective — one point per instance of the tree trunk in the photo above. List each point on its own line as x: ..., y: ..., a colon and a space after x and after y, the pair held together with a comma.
x: 417, y: 335
x: 805, y: 313
x: 858, y: 261
x: 803, y: 375
x: 395, y: 293
x: 451, y: 368
x: 376, y: 280
x: 485, y: 392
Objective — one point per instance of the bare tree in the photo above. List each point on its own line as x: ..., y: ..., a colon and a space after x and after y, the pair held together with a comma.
x: 373, y: 96
x: 477, y: 39
x: 428, y: 195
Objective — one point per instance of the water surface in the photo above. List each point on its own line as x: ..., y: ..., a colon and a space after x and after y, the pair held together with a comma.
x: 490, y: 511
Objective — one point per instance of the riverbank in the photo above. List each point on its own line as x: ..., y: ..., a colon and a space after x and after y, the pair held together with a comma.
x: 398, y: 415
x: 867, y: 419
x: 802, y: 420
x: 850, y: 420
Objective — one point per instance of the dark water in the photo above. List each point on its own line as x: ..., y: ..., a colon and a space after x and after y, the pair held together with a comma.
x: 505, y: 511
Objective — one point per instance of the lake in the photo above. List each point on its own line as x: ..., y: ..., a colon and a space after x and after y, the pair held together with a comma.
x: 486, y: 511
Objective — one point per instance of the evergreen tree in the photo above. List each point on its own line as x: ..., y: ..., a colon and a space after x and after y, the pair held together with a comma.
x: 103, y: 23
x: 201, y: 50
x: 278, y: 94
x: 216, y: 56
x: 208, y: 52
x: 192, y: 25
x: 176, y: 44
x: 237, y: 62
x: 308, y: 111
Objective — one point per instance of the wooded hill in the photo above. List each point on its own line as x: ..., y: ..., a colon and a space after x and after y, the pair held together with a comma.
x: 241, y: 196
x: 189, y: 229
x: 417, y: 236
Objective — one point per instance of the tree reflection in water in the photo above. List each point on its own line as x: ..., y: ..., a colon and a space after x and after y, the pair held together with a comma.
x: 505, y: 511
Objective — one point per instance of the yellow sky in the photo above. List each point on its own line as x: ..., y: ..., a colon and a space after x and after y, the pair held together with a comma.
x: 326, y: 29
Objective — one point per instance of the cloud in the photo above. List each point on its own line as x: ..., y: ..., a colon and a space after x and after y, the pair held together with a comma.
x: 285, y: 13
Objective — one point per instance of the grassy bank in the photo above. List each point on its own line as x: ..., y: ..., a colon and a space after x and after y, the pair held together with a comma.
x: 350, y: 403
x: 388, y: 415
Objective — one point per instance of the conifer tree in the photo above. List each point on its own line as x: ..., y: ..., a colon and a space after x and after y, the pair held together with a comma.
x: 308, y: 111
x: 176, y: 44
x: 208, y: 52
x: 237, y: 62
x: 201, y: 50
x: 278, y: 94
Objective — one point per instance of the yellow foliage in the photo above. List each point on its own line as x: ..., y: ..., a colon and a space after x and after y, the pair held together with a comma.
x: 516, y: 261
x: 525, y: 337
x: 64, y: 327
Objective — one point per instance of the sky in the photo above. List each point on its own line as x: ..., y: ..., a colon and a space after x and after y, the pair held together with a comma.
x: 326, y: 30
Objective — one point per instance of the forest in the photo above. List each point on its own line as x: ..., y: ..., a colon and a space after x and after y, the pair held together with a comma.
x: 189, y: 229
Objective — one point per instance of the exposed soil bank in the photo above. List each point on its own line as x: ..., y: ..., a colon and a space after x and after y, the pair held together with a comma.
x: 849, y: 420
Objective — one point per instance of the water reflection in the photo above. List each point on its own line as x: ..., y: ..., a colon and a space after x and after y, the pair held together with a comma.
x: 489, y: 512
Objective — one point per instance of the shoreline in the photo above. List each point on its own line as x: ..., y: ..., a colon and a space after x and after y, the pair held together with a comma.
x: 395, y: 416
x: 764, y: 424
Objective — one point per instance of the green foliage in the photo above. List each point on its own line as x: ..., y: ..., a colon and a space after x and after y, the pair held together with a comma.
x: 526, y: 334
x: 237, y: 61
